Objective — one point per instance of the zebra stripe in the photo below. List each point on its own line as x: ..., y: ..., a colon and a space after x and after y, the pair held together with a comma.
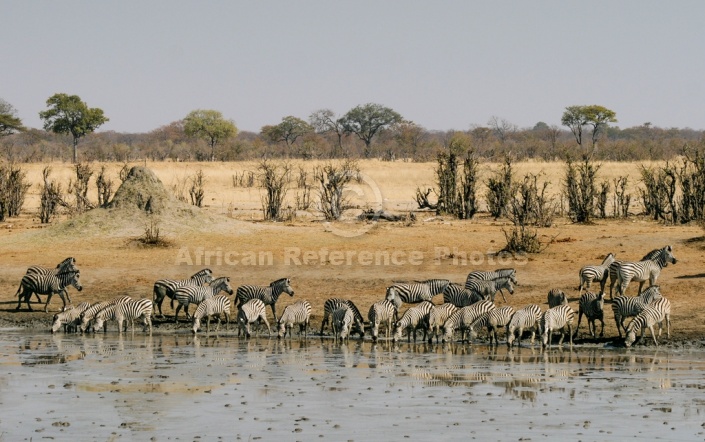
x: 654, y: 314
x: 267, y: 294
x: 414, y: 318
x: 298, y: 313
x: 68, y: 318
x: 592, y: 306
x: 491, y: 287
x: 381, y: 312
x: 47, y: 284
x: 495, y: 318
x: 333, y: 304
x: 460, y: 297
x: 462, y: 319
x: 614, y: 267
x: 525, y: 319
x: 591, y: 273
x: 127, y: 311
x: 556, y: 297
x: 88, y: 315
x: 249, y: 312
x: 437, y: 319
x: 644, y: 270
x: 67, y: 265
x: 166, y: 287
x: 215, y: 306
x: 192, y: 294
x: 341, y: 322
x: 624, y: 306
x: 490, y: 275
x: 556, y: 318
x: 435, y: 286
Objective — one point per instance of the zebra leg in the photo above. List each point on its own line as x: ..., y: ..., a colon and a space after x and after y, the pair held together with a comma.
x: 176, y: 313
x: 274, y: 312
x: 264, y: 318
x: 580, y: 317
x: 46, y: 306
x: 503, y: 298
x: 668, y: 325
x: 570, y: 335
x: 324, y: 322
x: 653, y: 335
x: 602, y: 330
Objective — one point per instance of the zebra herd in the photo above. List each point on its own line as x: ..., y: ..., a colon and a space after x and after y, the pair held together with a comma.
x: 466, y: 308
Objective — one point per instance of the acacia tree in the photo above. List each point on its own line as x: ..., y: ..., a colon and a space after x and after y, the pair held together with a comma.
x: 366, y: 120
x: 324, y: 122
x: 288, y: 131
x: 210, y: 126
x: 577, y: 117
x: 9, y: 122
x: 67, y: 114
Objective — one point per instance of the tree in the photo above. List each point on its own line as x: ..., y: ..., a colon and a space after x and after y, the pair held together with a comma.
x: 210, y: 126
x: 9, y: 122
x: 67, y: 114
x: 366, y: 120
x: 577, y: 117
x: 501, y: 127
x: 288, y: 131
x: 324, y: 122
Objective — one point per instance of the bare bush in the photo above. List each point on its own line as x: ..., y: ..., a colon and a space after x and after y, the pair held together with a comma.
x: 274, y: 179
x: 13, y: 190
x: 692, y: 185
x: 621, y: 198
x: 197, y: 192
x: 79, y: 188
x: 152, y: 236
x: 580, y: 190
x: 332, y: 180
x: 499, y: 190
x: 245, y: 179
x: 658, y: 194
x: 105, y: 187
x: 51, y: 198
x: 422, y: 198
x: 602, y: 199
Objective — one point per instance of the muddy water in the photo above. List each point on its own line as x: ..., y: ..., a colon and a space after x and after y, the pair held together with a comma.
x: 176, y: 387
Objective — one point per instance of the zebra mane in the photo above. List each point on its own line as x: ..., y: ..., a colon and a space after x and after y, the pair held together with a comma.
x: 67, y: 261
x: 652, y: 254
x: 202, y: 272
x: 69, y: 272
x: 278, y: 281
x: 218, y: 281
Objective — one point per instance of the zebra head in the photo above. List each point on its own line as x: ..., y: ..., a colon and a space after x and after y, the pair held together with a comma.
x: 56, y: 323
x: 71, y: 278
x: 222, y: 283
x: 667, y: 256
x: 67, y: 265
x: 282, y: 285
x: 609, y: 259
x: 630, y: 337
x: 506, y: 283
x: 206, y: 275
x: 651, y: 294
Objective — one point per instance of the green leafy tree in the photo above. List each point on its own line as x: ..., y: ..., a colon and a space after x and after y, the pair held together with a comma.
x: 210, y: 126
x: 9, y: 122
x: 288, y: 131
x: 578, y: 117
x: 67, y: 114
x: 367, y: 120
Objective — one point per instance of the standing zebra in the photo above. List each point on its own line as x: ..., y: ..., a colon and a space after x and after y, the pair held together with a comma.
x: 381, y: 312
x: 642, y: 271
x: 193, y: 294
x: 591, y: 273
x: 215, y: 306
x: 626, y: 306
x: 491, y: 287
x: 88, y: 315
x: 591, y: 305
x: 488, y: 276
x: 127, y: 311
x: 166, y: 287
x: 524, y: 319
x: 341, y: 322
x: 251, y: 311
x: 463, y: 318
x: 494, y: 319
x: 556, y: 318
x: 333, y: 304
x: 68, y: 318
x: 460, y: 297
x: 296, y: 313
x: 414, y: 318
x: 437, y: 319
x: 267, y: 294
x: 556, y: 297
x: 435, y: 286
x: 47, y: 284
x: 67, y: 265
x: 647, y: 318
x: 614, y: 267
x: 410, y: 293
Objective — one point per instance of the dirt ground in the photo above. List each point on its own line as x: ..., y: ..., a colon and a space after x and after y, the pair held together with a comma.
x: 348, y: 259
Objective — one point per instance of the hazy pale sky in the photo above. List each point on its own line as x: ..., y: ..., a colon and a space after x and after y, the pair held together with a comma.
x: 442, y: 64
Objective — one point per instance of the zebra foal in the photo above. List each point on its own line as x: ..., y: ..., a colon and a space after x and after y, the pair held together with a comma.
x: 381, y: 312
x: 333, y: 304
x: 88, y: 315
x: 437, y: 319
x: 648, y: 317
x: 463, y: 318
x: 215, y: 306
x: 192, y: 294
x: 590, y: 273
x: 492, y: 320
x: 249, y: 312
x: 341, y: 322
x: 413, y: 319
x: 592, y: 306
x: 298, y: 313
x: 525, y: 319
x: 553, y: 319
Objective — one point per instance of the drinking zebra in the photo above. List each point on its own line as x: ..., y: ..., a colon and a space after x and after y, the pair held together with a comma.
x: 166, y: 287
x: 462, y: 319
x: 67, y: 265
x: 490, y: 275
x: 642, y: 271
x: 193, y: 294
x: 215, y: 306
x: 267, y: 294
x: 553, y: 319
x: 332, y: 304
x: 625, y: 306
x: 298, y: 313
x: 492, y: 320
x: 249, y: 312
x: 556, y: 297
x: 614, y: 267
x: 489, y: 288
x: 381, y: 312
x: 437, y: 319
x: 648, y: 317
x: 47, y: 284
x: 69, y: 318
x: 88, y: 315
x: 525, y: 319
x: 592, y: 306
x: 460, y: 297
x: 127, y: 311
x: 414, y: 318
x: 341, y: 322
x: 590, y: 273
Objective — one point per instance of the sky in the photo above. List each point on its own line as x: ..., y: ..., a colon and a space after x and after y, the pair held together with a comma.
x: 445, y: 65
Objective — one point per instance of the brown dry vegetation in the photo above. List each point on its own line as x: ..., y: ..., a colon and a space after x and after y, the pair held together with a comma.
x: 112, y: 263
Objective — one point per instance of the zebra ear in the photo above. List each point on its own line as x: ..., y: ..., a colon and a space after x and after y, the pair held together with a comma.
x: 669, y: 248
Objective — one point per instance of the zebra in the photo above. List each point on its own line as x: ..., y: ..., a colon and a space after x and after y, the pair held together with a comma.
x: 251, y: 311
x: 524, y: 319
x: 166, y: 287
x: 460, y: 297
x: 464, y: 317
x: 438, y: 317
x: 47, y: 284
x: 614, y: 267
x: 267, y: 294
x: 381, y: 312
x: 127, y: 311
x: 495, y: 318
x: 626, y: 306
x: 648, y: 317
x: 194, y: 294
x: 491, y: 287
x: 414, y: 318
x: 67, y: 265
x: 556, y: 297
x: 341, y: 322
x: 296, y: 313
x: 333, y: 304
x: 591, y: 305
x: 68, y: 318
x: 409, y: 293
x: 591, y: 273
x: 211, y: 307
x: 556, y: 318
x: 435, y: 286
x: 490, y: 275
x: 88, y: 315
x: 644, y: 270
